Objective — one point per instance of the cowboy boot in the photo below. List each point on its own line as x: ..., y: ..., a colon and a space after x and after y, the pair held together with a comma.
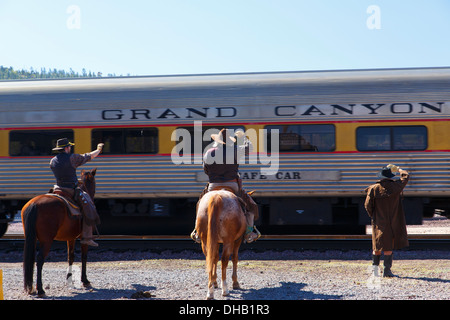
x: 87, y: 235
x: 251, y: 234
x: 375, y: 265
x: 250, y: 209
x: 387, y: 266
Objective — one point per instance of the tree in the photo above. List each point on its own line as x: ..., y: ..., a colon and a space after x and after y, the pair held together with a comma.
x: 11, y: 74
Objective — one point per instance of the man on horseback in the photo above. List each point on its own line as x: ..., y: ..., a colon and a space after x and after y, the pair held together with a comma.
x: 64, y: 166
x: 221, y: 164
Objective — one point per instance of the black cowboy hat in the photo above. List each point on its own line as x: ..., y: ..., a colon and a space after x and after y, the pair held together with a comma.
x: 386, y: 173
x: 62, y: 143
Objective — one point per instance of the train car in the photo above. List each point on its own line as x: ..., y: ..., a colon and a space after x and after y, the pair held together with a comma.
x: 319, y: 139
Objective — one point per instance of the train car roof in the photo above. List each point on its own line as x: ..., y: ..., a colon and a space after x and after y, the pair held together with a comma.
x: 137, y: 83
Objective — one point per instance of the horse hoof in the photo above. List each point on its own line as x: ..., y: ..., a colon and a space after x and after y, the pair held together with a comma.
x: 87, y: 285
x: 210, y: 294
x: 30, y: 291
x: 41, y: 294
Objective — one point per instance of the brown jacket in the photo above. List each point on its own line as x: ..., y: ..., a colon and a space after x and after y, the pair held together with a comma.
x: 384, y: 205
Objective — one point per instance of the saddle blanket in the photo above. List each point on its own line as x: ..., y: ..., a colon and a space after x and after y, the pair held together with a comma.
x: 74, y: 210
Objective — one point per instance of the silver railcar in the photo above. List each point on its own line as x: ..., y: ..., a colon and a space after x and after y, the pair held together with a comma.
x: 336, y: 129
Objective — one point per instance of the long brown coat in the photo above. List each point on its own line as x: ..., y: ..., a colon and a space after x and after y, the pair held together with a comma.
x: 384, y: 205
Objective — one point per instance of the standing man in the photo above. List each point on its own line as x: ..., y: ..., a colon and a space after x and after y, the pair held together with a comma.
x: 64, y: 166
x: 384, y: 205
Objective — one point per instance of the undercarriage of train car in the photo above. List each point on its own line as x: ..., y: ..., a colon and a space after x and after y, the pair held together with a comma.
x: 277, y: 215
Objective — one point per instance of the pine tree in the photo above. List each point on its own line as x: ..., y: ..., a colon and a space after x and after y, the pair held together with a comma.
x: 11, y: 74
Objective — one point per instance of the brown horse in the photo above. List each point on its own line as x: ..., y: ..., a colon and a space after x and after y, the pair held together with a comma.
x: 220, y: 219
x: 46, y: 218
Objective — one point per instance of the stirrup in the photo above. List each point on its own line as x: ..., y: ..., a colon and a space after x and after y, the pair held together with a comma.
x: 248, y: 238
x: 195, y: 237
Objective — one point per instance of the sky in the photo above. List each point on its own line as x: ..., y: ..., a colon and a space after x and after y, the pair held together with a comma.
x: 164, y: 37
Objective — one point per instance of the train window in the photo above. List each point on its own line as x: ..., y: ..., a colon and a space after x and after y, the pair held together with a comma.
x: 392, y: 138
x: 203, y: 140
x: 304, y: 138
x: 126, y: 140
x: 373, y: 138
x: 30, y: 143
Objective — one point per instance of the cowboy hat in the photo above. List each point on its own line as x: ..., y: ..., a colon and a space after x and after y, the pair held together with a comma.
x: 387, y: 172
x: 62, y: 143
x: 218, y: 137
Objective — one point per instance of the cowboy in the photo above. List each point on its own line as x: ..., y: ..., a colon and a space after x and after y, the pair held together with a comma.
x: 221, y: 164
x: 64, y: 166
x: 384, y: 205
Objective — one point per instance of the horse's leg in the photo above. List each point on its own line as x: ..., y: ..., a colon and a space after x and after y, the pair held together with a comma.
x: 210, y: 293
x: 225, y: 258
x: 44, y: 249
x: 216, y: 260
x: 213, y: 272
x: 212, y: 282
x: 205, y: 252
x: 84, y: 280
x: 236, y: 246
x: 70, y: 259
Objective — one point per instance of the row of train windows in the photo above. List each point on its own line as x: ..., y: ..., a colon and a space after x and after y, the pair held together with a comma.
x: 292, y: 138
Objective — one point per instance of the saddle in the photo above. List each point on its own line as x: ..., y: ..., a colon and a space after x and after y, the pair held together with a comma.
x: 73, y: 208
x: 226, y: 188
x: 242, y: 202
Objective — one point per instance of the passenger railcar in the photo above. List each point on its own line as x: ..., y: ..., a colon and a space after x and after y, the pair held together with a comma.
x: 336, y: 129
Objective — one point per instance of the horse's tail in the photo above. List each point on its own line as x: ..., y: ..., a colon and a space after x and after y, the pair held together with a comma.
x: 212, y: 240
x: 29, y: 250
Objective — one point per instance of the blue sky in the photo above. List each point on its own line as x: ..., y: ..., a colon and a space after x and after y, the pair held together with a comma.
x: 218, y: 36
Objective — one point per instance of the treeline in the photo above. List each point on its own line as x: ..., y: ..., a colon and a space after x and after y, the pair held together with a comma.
x: 10, y: 73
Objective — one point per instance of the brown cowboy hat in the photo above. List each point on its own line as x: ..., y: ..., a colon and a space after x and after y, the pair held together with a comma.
x: 218, y: 137
x: 62, y: 143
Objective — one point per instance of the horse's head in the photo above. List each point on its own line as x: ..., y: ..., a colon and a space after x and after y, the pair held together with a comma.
x: 88, y: 181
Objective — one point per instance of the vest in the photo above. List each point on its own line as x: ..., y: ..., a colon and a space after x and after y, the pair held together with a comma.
x: 65, y: 174
x: 224, y: 167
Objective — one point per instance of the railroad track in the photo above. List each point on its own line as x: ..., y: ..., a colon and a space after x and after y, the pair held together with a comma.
x: 266, y: 242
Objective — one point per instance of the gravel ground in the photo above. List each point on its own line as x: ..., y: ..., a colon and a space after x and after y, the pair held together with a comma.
x: 270, y: 275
